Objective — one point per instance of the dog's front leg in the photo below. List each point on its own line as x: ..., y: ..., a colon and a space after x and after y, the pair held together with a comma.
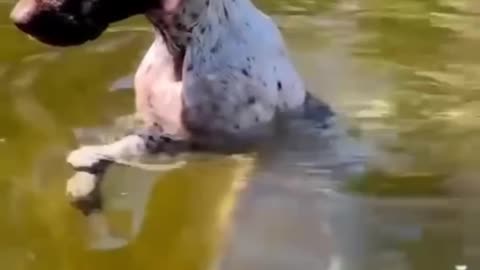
x: 95, y: 158
x: 91, y: 162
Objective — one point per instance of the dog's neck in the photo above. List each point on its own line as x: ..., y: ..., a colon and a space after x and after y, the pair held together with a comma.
x: 181, y: 21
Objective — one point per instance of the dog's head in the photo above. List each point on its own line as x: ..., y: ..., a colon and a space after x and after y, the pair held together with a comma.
x: 72, y: 22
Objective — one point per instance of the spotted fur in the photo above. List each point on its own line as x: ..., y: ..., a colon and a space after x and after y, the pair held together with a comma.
x: 237, y: 73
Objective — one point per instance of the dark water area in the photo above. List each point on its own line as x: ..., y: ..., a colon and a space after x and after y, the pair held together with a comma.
x: 402, y: 75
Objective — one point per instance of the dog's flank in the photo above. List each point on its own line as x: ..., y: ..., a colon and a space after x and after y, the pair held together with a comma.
x: 217, y: 76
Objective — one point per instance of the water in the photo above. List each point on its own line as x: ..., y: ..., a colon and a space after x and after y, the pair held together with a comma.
x: 404, y: 74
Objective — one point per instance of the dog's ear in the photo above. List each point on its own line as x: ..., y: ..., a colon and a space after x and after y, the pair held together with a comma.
x: 72, y: 22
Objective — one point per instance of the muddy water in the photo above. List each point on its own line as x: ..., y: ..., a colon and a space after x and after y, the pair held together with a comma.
x: 403, y: 74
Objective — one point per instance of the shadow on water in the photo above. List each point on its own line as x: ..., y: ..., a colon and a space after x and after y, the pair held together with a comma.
x: 403, y: 73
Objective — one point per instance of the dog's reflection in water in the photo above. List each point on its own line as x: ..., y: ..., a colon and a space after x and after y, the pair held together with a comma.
x: 199, y: 190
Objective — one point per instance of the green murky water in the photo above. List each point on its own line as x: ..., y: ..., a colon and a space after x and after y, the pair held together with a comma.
x: 405, y: 73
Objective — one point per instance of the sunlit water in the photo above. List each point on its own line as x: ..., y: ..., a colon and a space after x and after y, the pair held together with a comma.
x: 403, y: 74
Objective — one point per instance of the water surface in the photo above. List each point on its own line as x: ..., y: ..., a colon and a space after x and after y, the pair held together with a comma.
x: 405, y: 76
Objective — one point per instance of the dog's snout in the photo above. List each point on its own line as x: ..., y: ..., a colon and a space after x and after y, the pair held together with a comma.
x: 61, y: 22
x: 49, y: 25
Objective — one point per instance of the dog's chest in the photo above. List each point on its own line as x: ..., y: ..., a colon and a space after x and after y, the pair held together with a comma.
x: 158, y: 94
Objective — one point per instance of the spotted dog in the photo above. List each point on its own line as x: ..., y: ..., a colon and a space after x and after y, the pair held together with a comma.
x: 217, y: 75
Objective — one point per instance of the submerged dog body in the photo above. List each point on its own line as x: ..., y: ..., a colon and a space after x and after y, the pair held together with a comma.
x: 234, y: 74
x: 217, y: 73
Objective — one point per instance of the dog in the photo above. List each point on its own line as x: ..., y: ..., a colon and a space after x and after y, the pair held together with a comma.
x: 217, y: 76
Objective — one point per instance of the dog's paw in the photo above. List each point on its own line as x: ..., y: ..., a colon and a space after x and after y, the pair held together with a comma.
x: 86, y: 157
x: 81, y: 185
